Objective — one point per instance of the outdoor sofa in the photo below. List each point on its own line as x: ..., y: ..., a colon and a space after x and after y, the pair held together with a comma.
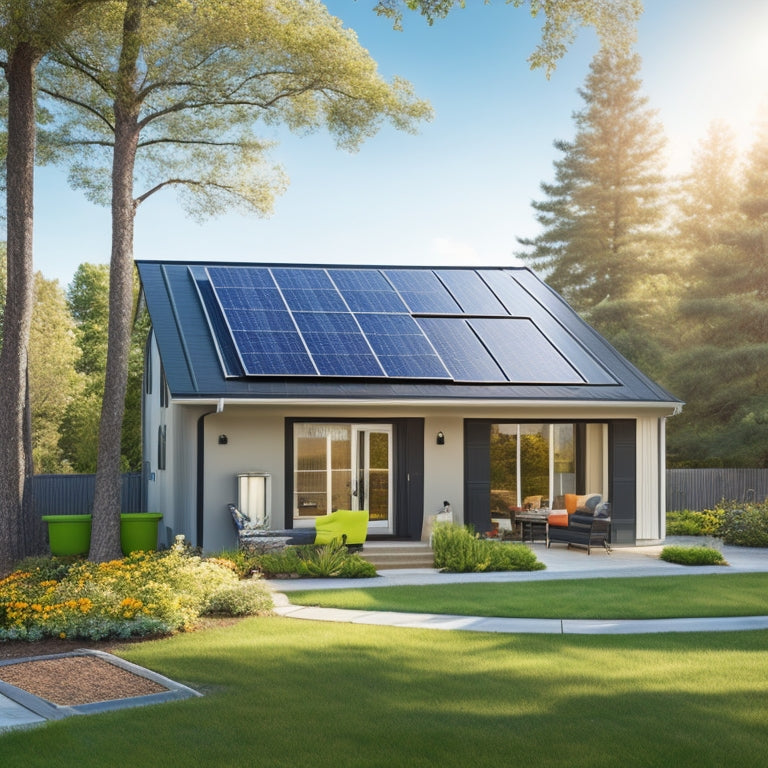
x: 584, y: 529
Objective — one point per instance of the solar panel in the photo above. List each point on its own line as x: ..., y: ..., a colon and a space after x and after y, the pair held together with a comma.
x: 520, y: 301
x: 225, y: 346
x: 401, y: 346
x: 460, y: 349
x: 337, y: 344
x: 269, y: 354
x: 473, y: 295
x: 367, y: 290
x: 358, y: 322
x: 523, y: 352
x: 262, y: 330
x: 422, y: 291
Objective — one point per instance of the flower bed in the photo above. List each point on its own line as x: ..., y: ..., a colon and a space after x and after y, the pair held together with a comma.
x: 145, y: 593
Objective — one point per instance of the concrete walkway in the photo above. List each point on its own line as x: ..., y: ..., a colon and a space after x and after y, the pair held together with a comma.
x: 562, y: 563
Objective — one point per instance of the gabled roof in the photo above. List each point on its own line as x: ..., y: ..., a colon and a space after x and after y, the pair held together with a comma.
x: 278, y: 331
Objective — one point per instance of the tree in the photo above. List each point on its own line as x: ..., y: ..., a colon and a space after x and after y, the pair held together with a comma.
x: 601, y: 246
x: 53, y: 381
x: 28, y: 29
x: 174, y: 92
x: 722, y: 365
x: 88, y: 301
x: 613, y: 20
x: 709, y: 193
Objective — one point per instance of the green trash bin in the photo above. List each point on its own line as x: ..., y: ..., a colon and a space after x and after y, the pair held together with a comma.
x: 68, y: 534
x: 138, y: 531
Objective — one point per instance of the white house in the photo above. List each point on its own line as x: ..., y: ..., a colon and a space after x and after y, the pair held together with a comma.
x: 391, y: 389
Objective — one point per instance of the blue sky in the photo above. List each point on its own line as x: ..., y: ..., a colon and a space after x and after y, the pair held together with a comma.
x: 459, y: 192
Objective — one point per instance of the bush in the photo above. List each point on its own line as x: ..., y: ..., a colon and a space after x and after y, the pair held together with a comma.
x: 689, y: 523
x: 459, y: 550
x: 143, y: 594
x: 328, y: 561
x: 244, y: 598
x: 745, y: 525
x: 693, y: 555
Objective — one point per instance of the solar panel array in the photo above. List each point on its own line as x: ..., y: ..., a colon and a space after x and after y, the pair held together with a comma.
x: 419, y: 324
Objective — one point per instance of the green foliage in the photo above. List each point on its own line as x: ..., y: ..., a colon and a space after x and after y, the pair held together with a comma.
x: 142, y: 594
x: 745, y: 525
x: 54, y: 383
x: 328, y: 561
x: 688, y: 522
x: 459, y: 550
x: 88, y: 302
x: 614, y: 22
x: 209, y: 80
x: 720, y: 363
x: 692, y: 555
x: 244, y: 598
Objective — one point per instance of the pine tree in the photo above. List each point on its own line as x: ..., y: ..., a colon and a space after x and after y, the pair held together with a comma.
x: 600, y: 246
x: 722, y: 370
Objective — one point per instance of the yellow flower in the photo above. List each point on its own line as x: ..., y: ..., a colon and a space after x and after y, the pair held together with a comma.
x: 63, y: 635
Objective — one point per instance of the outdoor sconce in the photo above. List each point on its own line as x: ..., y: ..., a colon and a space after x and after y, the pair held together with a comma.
x: 440, y: 438
x: 223, y: 440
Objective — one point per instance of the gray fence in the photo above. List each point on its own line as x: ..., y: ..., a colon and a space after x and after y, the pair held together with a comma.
x: 73, y: 494
x: 703, y: 488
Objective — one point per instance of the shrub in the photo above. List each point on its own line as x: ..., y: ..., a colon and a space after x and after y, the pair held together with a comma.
x: 745, y: 525
x: 459, y: 550
x: 328, y: 561
x: 693, y: 555
x: 690, y: 523
x: 244, y: 598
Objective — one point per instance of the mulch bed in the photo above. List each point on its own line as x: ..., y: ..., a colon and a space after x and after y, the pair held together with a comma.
x: 74, y: 680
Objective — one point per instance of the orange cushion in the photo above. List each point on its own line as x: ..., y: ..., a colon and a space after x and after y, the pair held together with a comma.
x: 570, y: 503
x: 558, y: 518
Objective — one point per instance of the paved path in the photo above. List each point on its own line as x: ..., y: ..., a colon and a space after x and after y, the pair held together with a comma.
x: 562, y: 563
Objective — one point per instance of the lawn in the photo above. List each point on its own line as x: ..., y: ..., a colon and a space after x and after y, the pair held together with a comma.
x: 282, y: 692
x: 610, y: 598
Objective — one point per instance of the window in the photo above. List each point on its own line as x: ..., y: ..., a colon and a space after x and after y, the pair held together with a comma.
x: 148, y: 365
x: 161, y: 435
x: 164, y: 394
x: 322, y: 468
x: 532, y: 465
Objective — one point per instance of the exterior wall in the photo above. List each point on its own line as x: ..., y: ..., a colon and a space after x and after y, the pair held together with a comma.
x: 596, y: 480
x: 650, y: 486
x: 255, y: 442
x: 154, y: 417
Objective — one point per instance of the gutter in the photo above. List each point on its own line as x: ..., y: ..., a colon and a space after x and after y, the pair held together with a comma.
x: 675, y: 407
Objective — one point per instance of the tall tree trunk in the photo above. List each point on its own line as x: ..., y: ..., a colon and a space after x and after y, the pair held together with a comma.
x: 105, y: 533
x: 17, y: 319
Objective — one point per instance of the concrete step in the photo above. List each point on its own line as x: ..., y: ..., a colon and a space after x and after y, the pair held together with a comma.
x: 404, y: 554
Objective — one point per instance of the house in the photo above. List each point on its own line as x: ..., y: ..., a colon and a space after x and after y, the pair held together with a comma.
x: 304, y: 389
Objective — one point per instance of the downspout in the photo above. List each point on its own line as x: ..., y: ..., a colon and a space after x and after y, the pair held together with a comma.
x: 201, y: 471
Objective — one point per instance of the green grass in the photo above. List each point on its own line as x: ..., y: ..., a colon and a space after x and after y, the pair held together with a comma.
x: 631, y: 598
x: 282, y: 692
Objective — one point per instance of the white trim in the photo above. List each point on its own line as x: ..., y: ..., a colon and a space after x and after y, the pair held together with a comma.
x: 448, y: 402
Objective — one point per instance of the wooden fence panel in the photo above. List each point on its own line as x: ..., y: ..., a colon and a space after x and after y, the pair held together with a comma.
x: 704, y: 488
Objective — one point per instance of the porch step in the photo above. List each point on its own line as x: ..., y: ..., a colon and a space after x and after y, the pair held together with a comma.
x: 386, y: 555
